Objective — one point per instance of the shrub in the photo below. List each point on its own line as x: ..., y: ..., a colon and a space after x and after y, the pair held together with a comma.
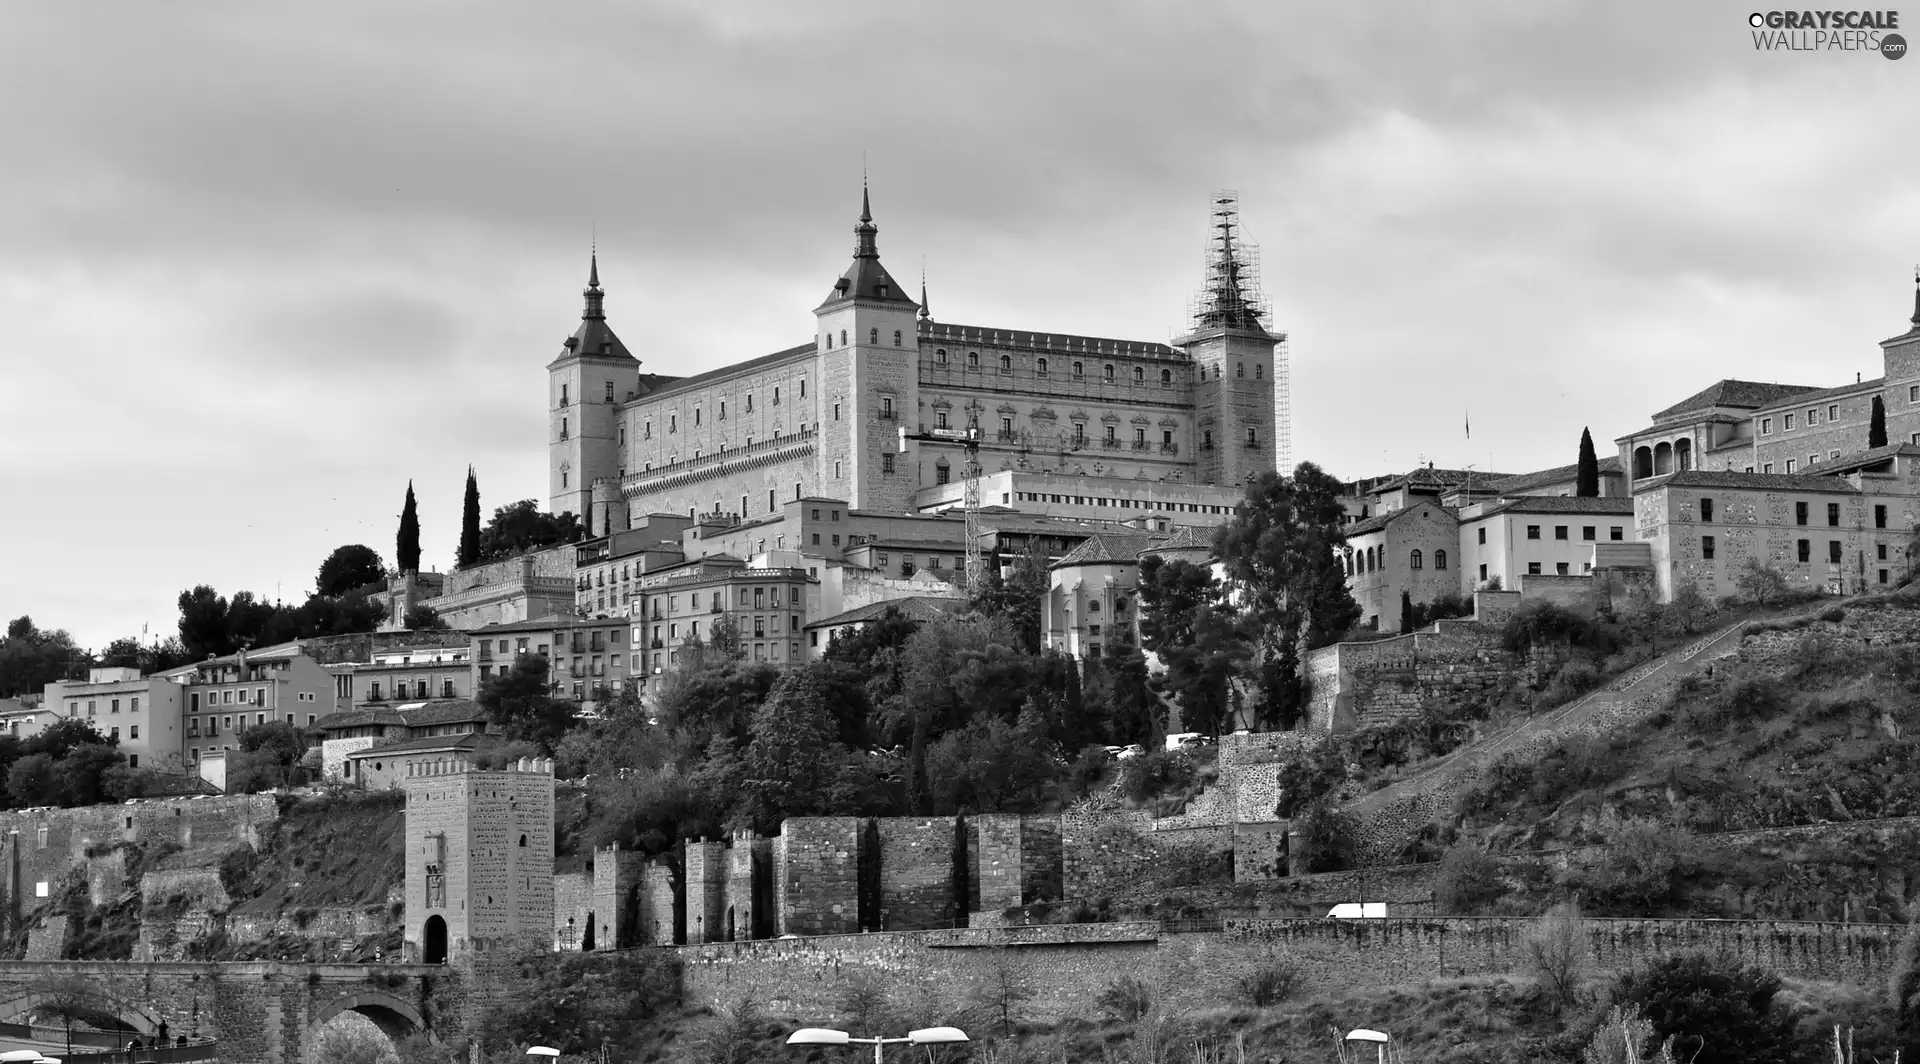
x: 1545, y: 624
x: 1834, y: 615
x: 1269, y: 984
x: 1157, y: 773
x: 1569, y: 682
x: 1127, y: 999
x: 1555, y: 953
x: 1761, y: 584
x: 1640, y: 870
x: 1328, y: 838
x: 1716, y: 1012
x: 1468, y: 883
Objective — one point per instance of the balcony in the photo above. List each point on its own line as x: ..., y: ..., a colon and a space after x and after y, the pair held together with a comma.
x: 1169, y: 448
x: 716, y: 608
x: 1006, y: 437
x: 1110, y: 444
x: 1141, y: 445
x: 656, y: 645
x: 578, y: 672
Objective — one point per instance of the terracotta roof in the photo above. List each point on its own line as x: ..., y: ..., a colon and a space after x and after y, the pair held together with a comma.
x: 1380, y: 521
x: 1748, y: 394
x: 1525, y: 481
x: 452, y: 712
x: 359, y: 718
x: 469, y: 741
x: 1826, y: 393
x: 1557, y: 504
x: 1107, y: 547
x: 913, y: 608
x: 1439, y: 478
x: 1847, y: 463
x: 1696, y: 478
x: 1183, y: 537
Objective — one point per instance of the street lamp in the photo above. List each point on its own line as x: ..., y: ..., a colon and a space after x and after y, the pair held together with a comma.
x: 926, y: 1036
x: 542, y: 1052
x: 1379, y: 1039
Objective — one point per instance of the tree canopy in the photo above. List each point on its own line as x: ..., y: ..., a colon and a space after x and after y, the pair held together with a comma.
x: 521, y: 527
x: 348, y: 568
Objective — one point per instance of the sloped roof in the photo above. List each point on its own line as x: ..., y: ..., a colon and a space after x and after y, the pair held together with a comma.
x: 1526, y: 481
x: 1107, y: 547
x: 469, y: 741
x: 1557, y: 504
x: 1183, y: 537
x: 1696, y: 478
x: 1060, y: 343
x: 670, y: 385
x: 1429, y: 477
x: 1819, y: 394
x: 1744, y: 394
x: 360, y: 718
x: 913, y: 608
x: 452, y: 712
x: 1380, y: 521
x: 1847, y: 463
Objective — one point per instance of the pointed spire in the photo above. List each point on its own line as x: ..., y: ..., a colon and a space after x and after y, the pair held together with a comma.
x: 1916, y: 297
x: 595, y: 309
x: 925, y: 313
x: 865, y: 246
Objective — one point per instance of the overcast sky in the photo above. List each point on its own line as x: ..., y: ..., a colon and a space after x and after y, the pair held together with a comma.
x: 261, y: 264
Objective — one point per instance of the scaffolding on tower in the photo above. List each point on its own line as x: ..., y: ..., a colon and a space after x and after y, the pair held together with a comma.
x: 1232, y: 299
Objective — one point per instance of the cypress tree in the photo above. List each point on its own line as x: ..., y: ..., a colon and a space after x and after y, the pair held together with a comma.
x: 469, y: 524
x: 1587, y: 480
x: 962, y: 894
x: 407, y: 548
x: 1877, y: 428
x: 1406, y: 612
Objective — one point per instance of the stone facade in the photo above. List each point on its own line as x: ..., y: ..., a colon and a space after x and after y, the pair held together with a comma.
x: 479, y: 859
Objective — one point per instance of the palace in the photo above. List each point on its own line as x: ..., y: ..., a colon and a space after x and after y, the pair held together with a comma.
x: 873, y: 411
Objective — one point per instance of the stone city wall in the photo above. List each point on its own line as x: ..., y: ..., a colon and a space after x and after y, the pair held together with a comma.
x: 1069, y: 966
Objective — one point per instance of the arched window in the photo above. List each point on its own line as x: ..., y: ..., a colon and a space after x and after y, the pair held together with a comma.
x: 1258, y: 369
x: 1040, y: 366
x: 1373, y: 560
x: 1139, y: 374
x: 1203, y: 373
x: 1166, y: 376
x: 1109, y: 371
x: 843, y: 338
x: 1349, y: 559
x: 973, y: 360
x: 1079, y: 368
x: 940, y: 355
x: 896, y: 338
x: 1414, y: 560
x: 1439, y: 559
x: 1006, y: 362
x: 873, y: 336
x: 1239, y: 369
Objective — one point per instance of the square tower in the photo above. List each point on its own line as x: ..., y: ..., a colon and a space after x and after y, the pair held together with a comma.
x: 479, y: 855
x: 586, y: 383
x: 868, y: 344
x: 1240, y: 367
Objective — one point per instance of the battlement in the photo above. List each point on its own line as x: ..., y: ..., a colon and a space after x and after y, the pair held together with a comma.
x: 453, y: 766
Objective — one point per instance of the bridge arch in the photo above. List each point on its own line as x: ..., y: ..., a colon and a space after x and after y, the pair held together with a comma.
x: 97, y: 1006
x: 396, y: 1018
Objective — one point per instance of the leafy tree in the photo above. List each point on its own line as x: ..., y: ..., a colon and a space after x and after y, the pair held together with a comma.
x: 1468, y: 882
x: 469, y: 551
x: 406, y: 548
x: 1406, y: 612
x: 78, y: 778
x: 1019, y: 596
x: 1555, y: 953
x: 1903, y: 987
x: 30, y: 781
x: 1327, y: 836
x: 1761, y: 584
x: 203, y: 623
x: 520, y: 702
x: 31, y: 658
x: 1586, y: 480
x: 991, y: 766
x: 521, y: 527
x: 1281, y: 552
x: 793, y: 763
x: 1186, y: 620
x: 342, y: 1040
x: 1716, y: 1012
x: 1877, y: 425
x: 423, y: 617
x: 577, y: 1004
x: 355, y: 565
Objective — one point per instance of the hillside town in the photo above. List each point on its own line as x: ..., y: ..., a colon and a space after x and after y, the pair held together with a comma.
x: 1478, y: 625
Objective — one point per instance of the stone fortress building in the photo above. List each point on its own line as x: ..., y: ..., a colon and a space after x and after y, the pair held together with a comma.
x: 874, y: 408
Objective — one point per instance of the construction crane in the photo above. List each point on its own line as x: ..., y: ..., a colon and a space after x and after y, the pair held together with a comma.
x: 969, y: 440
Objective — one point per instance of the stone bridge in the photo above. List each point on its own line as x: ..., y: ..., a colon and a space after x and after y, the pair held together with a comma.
x: 260, y: 1012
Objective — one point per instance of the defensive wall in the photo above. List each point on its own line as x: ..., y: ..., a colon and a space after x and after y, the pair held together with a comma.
x: 1068, y: 966
x: 260, y: 1013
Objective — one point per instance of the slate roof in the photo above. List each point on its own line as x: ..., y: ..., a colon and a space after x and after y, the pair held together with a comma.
x: 1527, y: 481
x: 913, y: 608
x: 1696, y: 478
x: 359, y: 718
x: 670, y: 385
x: 453, y: 712
x: 866, y: 279
x: 1729, y: 392
x: 1046, y: 343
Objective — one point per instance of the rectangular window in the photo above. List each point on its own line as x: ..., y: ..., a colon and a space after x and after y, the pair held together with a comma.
x: 1768, y: 468
x: 1560, y: 568
x: 886, y: 464
x: 1533, y: 532
x: 1483, y: 572
x: 1880, y: 552
x: 836, y: 411
x: 1883, y: 576
x: 1805, y: 549
x: 1799, y: 513
x: 1533, y: 568
x: 1706, y: 509
x: 1813, y: 417
x: 1913, y: 393
x: 1589, y: 533
x: 1833, y: 413
x: 1766, y: 426
x: 133, y: 731
x: 1786, y: 422
x: 1706, y: 547
x: 1616, y: 533
x: 1833, y: 551
x: 1560, y: 532
x: 134, y: 707
x: 1879, y: 517
x: 1483, y: 539
x: 1833, y: 515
